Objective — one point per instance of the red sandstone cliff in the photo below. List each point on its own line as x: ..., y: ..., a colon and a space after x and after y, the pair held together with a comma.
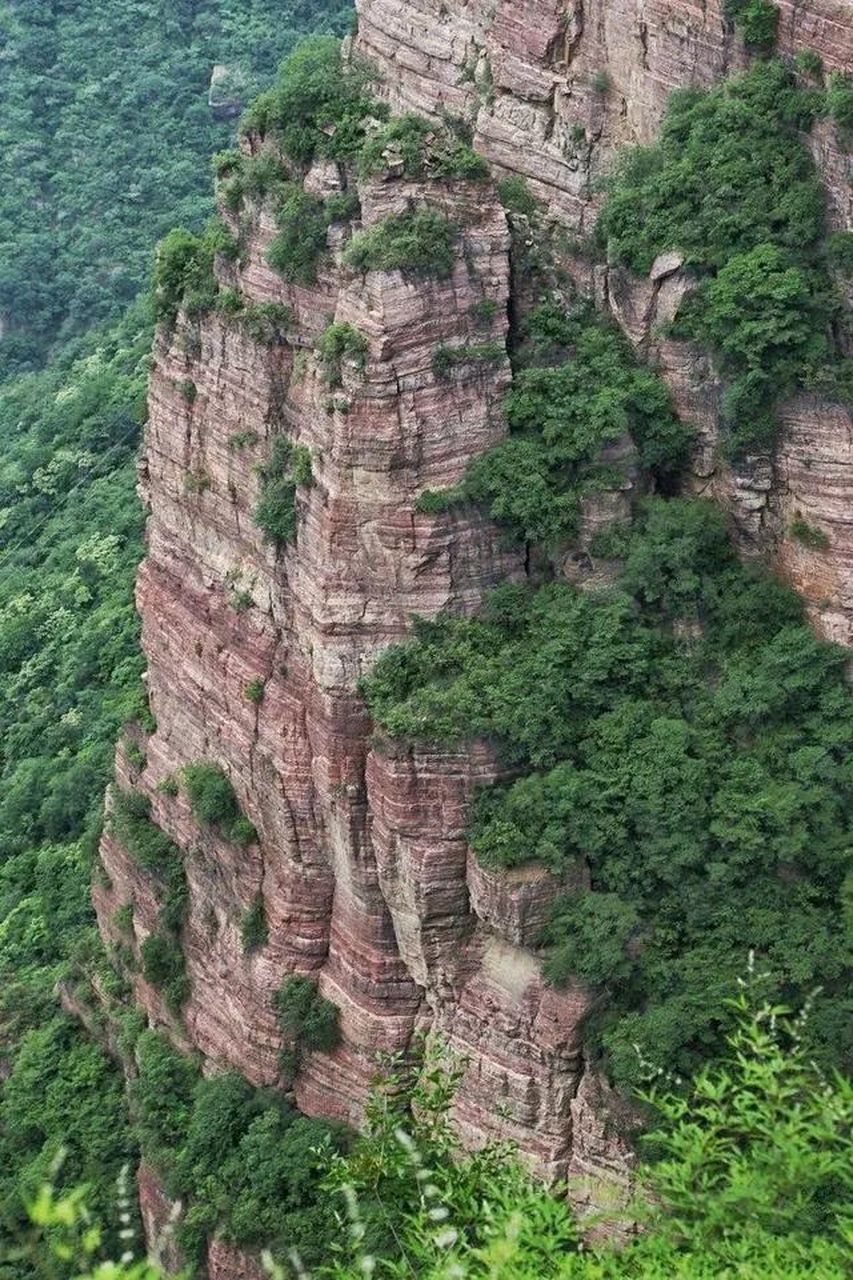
x: 361, y: 862
x: 552, y: 88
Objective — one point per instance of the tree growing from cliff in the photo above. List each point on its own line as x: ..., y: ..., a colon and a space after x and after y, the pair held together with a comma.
x: 731, y: 186
x: 683, y: 737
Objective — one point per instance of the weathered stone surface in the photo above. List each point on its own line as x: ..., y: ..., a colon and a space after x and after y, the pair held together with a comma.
x: 362, y: 862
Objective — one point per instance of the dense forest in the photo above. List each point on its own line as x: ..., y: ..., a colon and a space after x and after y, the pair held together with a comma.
x: 687, y: 711
x: 107, y: 137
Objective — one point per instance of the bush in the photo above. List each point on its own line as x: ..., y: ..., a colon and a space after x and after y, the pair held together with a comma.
x: 343, y: 206
x: 213, y: 802
x: 731, y: 186
x: 253, y: 928
x: 308, y: 1021
x: 254, y: 690
x: 418, y: 243
x: 163, y: 965
x: 339, y: 343
x: 288, y: 469
x: 183, y: 271
x: 839, y: 252
x: 516, y: 197
x: 301, y: 240
x: 319, y: 105
x: 680, y: 738
x: 425, y: 149
x: 266, y: 322
x: 839, y: 102
x: 446, y: 358
x: 561, y: 416
x: 132, y: 827
x: 811, y: 537
x: 756, y: 19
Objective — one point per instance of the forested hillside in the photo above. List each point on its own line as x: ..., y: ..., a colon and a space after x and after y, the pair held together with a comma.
x: 106, y: 142
x: 105, y: 137
x: 575, y: 871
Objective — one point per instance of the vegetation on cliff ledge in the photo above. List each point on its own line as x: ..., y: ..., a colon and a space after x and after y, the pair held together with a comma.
x: 685, y: 736
x: 731, y: 186
x: 750, y: 1176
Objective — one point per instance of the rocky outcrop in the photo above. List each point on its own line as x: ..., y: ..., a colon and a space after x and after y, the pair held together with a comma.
x: 361, y: 863
x: 552, y: 88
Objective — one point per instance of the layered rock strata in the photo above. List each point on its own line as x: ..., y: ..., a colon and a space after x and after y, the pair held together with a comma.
x: 361, y: 861
x: 362, y: 864
x: 551, y: 89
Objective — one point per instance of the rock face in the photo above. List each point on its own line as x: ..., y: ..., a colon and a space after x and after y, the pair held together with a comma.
x: 362, y: 864
x: 552, y: 88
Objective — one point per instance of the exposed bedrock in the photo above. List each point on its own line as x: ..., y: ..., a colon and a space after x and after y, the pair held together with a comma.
x: 362, y: 863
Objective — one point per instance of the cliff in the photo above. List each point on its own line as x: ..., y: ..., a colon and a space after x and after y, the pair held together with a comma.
x: 552, y: 89
x: 361, y: 861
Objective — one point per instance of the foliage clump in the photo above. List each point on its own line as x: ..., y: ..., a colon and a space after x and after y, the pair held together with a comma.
x: 683, y: 737
x: 758, y: 21
x: 214, y: 802
x: 445, y: 358
x: 581, y: 392
x: 308, y: 1020
x: 254, y: 930
x: 300, y: 243
x: 731, y: 186
x: 288, y: 469
x: 424, y: 149
x: 164, y: 966
x: 183, y: 271
x: 418, y: 242
x: 319, y: 106
x: 246, y: 1161
x: 341, y: 342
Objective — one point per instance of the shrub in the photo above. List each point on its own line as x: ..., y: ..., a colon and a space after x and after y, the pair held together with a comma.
x: 809, y: 535
x: 168, y: 786
x: 254, y: 690
x: 188, y: 390
x: 484, y: 311
x: 288, y: 468
x: 214, y: 802
x: 319, y: 105
x: 809, y: 63
x: 446, y: 358
x: 339, y: 343
x: 682, y: 738
x: 130, y: 822
x: 196, y: 482
x: 253, y: 927
x: 301, y: 240
x: 425, y: 149
x: 343, y: 206
x: 839, y: 102
x: 123, y: 917
x: 242, y: 440
x: 266, y: 322
x: 839, y: 252
x: 756, y: 19
x: 516, y: 197
x: 418, y: 243
x: 308, y: 1020
x: 731, y: 186
x: 434, y: 501
x: 183, y: 271
x: 561, y: 416
x: 163, y: 965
